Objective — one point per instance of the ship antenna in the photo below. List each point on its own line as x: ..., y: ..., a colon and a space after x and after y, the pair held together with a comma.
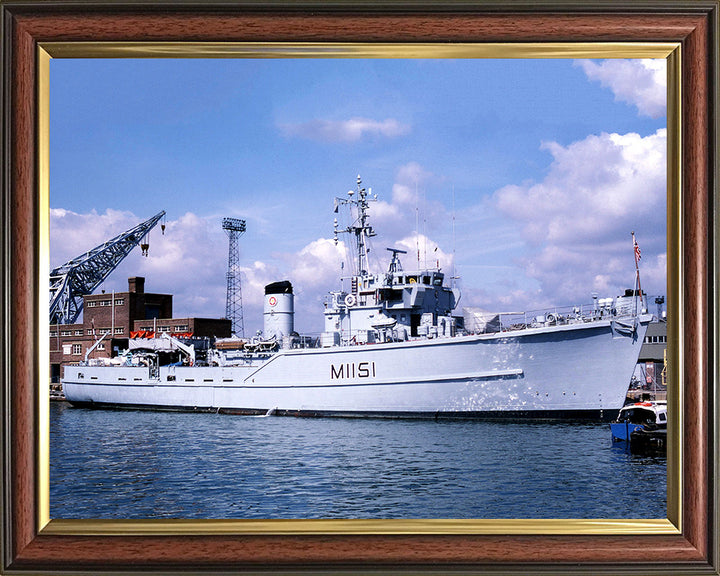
x: 452, y: 279
x: 417, y: 226
x: 425, y: 227
x: 360, y: 228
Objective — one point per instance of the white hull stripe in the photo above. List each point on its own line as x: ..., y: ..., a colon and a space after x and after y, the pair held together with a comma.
x: 488, y: 375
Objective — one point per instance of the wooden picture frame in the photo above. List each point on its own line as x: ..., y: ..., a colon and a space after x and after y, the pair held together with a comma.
x: 687, y: 543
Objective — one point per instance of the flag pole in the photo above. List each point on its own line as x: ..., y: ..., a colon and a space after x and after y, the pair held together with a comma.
x: 636, y: 252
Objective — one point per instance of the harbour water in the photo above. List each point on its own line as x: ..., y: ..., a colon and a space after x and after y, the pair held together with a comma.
x: 133, y: 465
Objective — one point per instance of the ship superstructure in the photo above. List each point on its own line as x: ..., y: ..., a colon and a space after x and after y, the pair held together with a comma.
x: 391, y: 307
x: 393, y: 345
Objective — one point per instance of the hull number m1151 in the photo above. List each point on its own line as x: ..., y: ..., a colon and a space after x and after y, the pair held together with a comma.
x: 352, y: 370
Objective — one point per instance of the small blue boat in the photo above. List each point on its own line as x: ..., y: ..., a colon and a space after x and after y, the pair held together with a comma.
x: 641, y: 423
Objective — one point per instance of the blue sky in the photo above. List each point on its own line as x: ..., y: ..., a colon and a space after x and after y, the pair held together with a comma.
x: 544, y: 166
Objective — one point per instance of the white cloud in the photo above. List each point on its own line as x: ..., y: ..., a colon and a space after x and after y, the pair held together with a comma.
x: 509, y: 300
x: 409, y: 209
x: 423, y: 252
x: 602, y: 183
x: 641, y: 83
x: 578, y: 220
x: 569, y: 235
x: 382, y: 211
x: 189, y: 261
x: 405, y: 190
x: 318, y: 263
x: 72, y: 234
x: 254, y: 278
x: 350, y: 130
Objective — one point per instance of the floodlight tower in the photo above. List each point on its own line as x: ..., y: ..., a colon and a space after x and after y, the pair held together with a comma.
x: 233, y: 304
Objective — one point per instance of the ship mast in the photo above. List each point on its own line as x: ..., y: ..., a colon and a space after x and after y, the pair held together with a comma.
x: 361, y: 229
x: 638, y: 287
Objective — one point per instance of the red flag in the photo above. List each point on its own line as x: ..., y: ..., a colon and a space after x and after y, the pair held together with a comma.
x: 637, y: 250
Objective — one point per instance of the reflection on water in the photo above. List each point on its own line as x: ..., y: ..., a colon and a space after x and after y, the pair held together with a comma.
x: 131, y: 464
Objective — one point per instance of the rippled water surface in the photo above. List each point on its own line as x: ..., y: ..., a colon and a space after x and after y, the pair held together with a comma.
x: 131, y: 464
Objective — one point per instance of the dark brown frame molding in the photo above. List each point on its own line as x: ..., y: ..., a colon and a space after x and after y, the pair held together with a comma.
x: 27, y: 24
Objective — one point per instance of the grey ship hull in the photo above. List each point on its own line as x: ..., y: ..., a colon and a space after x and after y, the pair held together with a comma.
x: 558, y: 372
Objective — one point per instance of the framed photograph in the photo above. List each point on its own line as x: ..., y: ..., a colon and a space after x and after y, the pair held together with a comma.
x: 683, y: 34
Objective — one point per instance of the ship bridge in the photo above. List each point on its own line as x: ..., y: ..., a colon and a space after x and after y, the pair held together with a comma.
x: 396, y: 305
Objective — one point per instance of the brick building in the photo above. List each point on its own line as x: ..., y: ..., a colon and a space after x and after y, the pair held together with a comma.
x: 650, y: 378
x: 123, y: 315
x: 653, y: 354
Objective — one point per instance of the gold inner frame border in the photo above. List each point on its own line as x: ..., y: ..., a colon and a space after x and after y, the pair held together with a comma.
x: 570, y: 50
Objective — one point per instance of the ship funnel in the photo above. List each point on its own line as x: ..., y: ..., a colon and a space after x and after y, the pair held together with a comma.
x: 279, y: 311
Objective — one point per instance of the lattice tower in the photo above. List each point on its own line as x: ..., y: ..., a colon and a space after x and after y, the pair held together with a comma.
x: 233, y: 304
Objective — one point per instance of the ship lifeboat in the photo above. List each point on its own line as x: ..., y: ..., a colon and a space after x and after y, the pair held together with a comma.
x: 379, y: 321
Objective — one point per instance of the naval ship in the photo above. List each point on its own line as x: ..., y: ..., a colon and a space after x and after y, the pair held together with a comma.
x: 393, y: 345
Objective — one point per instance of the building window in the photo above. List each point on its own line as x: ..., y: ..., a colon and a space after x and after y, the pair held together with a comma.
x: 77, y: 349
x: 120, y: 330
x: 53, y: 334
x: 65, y: 333
x: 105, y: 302
x: 181, y: 328
x: 101, y: 346
x: 78, y: 332
x: 67, y: 349
x: 91, y: 304
x: 119, y: 301
x: 164, y: 329
x: 91, y: 332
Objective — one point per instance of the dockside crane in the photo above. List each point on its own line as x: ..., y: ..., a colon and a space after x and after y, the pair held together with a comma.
x: 83, y: 274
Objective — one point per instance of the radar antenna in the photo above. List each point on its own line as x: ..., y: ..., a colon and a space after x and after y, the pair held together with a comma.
x: 395, y: 265
x: 80, y: 276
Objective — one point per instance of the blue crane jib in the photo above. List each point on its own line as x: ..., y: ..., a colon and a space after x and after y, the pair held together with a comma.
x: 83, y: 274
